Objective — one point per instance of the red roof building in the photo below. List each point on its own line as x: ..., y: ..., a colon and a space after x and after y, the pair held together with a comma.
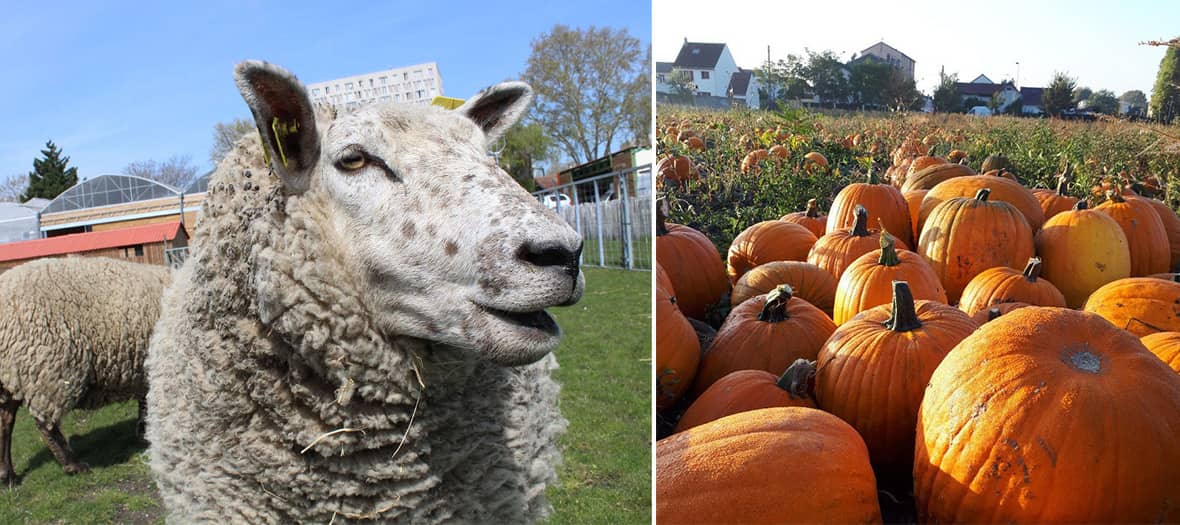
x: 145, y: 244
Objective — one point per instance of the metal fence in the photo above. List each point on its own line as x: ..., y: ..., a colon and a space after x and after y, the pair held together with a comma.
x: 612, y: 212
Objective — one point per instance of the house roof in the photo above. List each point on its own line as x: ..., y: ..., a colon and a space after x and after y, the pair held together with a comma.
x: 697, y: 55
x: 981, y: 90
x: 739, y: 82
x: 664, y: 67
x: 1031, y: 96
x: 88, y: 242
x: 898, y: 51
x: 982, y: 79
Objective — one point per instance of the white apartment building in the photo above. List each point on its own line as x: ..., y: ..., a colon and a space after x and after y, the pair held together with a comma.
x: 416, y: 84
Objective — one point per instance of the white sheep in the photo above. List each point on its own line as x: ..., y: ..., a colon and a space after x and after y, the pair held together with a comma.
x: 359, y: 333
x: 74, y: 333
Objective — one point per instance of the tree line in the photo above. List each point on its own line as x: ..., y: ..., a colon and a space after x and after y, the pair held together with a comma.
x: 868, y: 83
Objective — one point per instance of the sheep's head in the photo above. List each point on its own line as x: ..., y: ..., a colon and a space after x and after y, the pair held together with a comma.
x: 446, y: 245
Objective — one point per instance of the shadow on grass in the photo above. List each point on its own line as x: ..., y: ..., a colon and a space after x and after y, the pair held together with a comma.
x: 102, y: 447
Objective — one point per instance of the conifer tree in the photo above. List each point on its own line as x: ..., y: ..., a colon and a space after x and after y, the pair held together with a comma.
x: 51, y: 174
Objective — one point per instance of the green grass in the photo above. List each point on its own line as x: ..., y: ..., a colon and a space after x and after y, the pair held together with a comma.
x: 606, y: 477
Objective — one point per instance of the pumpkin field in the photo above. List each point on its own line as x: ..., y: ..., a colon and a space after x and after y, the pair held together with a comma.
x: 916, y: 318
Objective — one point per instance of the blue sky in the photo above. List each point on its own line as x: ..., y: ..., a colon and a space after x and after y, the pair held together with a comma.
x: 1095, y: 41
x: 117, y: 82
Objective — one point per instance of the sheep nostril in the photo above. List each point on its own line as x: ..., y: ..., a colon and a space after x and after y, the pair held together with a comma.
x: 546, y: 255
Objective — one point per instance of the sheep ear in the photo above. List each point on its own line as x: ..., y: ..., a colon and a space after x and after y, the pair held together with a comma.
x: 497, y: 108
x: 285, y: 119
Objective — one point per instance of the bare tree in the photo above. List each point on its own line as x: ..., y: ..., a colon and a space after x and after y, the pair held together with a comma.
x: 226, y: 135
x: 178, y: 171
x: 585, y: 80
x: 13, y: 188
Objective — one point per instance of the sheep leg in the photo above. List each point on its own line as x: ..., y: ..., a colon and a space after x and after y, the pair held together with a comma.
x: 141, y: 423
x: 60, y: 448
x: 7, y: 421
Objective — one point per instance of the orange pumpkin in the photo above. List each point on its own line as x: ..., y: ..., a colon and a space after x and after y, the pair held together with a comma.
x: 1000, y: 190
x: 1082, y: 250
x: 1171, y: 227
x: 829, y: 481
x: 1048, y: 415
x: 746, y: 390
x: 965, y: 236
x: 809, y: 218
x: 836, y: 250
x: 750, y: 163
x: 867, y: 282
x: 885, y: 204
x: 767, y: 332
x: 995, y: 162
x: 695, y: 143
x: 808, y: 282
x: 873, y: 370
x: 1145, y: 232
x: 922, y: 162
x: 779, y: 152
x: 1140, y: 305
x: 693, y: 266
x: 1001, y: 173
x: 1055, y: 201
x: 1005, y: 285
x: 677, y: 168
x: 677, y: 351
x: 992, y: 312
x: 765, y: 242
x: 1166, y: 346
x: 913, y: 198
x: 930, y: 177
x: 815, y: 159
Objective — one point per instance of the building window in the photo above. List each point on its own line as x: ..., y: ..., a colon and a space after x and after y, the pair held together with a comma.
x: 662, y: 77
x: 704, y: 75
x: 315, y: 92
x: 405, y: 76
x: 327, y: 89
x: 139, y: 250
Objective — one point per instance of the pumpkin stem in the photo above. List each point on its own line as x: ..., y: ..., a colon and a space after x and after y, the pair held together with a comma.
x: 861, y: 227
x: 812, y: 209
x: 993, y: 313
x: 903, y: 318
x: 1081, y: 205
x: 1033, y: 269
x: 775, y: 309
x: 798, y: 379
x: 982, y: 194
x: 888, y: 250
x: 873, y: 178
x: 661, y: 218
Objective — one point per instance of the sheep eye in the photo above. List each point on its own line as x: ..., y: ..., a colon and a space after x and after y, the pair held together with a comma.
x: 352, y: 161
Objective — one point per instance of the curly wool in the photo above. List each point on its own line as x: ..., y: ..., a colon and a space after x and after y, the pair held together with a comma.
x: 274, y: 398
x: 74, y: 332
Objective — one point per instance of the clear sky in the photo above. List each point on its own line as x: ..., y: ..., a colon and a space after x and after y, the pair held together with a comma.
x: 117, y: 82
x: 1097, y: 42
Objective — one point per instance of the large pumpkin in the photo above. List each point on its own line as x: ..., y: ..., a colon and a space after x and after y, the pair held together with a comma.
x: 1166, y: 346
x: 1049, y: 415
x: 868, y: 281
x: 693, y: 265
x: 746, y: 390
x: 767, y: 332
x: 1146, y: 236
x: 774, y: 465
x: 808, y: 282
x: 885, y: 204
x: 836, y: 250
x: 930, y: 177
x: 1140, y: 305
x: 990, y: 313
x: 965, y: 236
x: 1005, y: 285
x: 873, y: 370
x: 765, y: 242
x: 678, y: 352
x: 1081, y: 250
x: 1171, y: 226
x: 810, y: 218
x: 1000, y: 190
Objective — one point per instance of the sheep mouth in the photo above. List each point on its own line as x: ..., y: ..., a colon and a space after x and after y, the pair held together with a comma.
x: 539, y: 320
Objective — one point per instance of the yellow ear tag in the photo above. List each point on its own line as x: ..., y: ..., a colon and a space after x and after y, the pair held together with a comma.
x: 281, y: 131
x: 447, y: 102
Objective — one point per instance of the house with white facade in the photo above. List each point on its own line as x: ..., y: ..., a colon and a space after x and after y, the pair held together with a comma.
x: 882, y: 52
x: 713, y: 71
x: 981, y: 90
